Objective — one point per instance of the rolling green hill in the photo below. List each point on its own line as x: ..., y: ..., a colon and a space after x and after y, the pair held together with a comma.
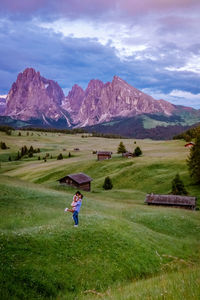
x: 154, y: 126
x: 123, y: 249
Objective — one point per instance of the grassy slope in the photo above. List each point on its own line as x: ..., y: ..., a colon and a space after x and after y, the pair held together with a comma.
x: 44, y: 256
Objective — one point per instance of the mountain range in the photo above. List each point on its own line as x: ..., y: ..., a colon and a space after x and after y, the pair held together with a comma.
x: 113, y: 107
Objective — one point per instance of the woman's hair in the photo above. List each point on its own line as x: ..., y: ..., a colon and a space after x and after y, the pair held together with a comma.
x: 81, y: 196
x: 78, y: 193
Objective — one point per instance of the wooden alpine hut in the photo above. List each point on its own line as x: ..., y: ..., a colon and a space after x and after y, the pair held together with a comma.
x: 101, y: 155
x: 189, y: 145
x: 80, y: 181
x: 128, y: 155
x: 171, y: 200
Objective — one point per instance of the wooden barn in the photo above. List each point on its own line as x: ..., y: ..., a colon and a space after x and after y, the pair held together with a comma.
x: 80, y: 181
x: 171, y: 200
x: 128, y: 155
x: 101, y: 155
x: 189, y: 145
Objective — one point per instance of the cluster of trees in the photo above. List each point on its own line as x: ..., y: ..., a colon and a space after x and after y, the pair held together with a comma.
x: 60, y: 156
x: 193, y: 160
x: 189, y: 134
x: 29, y: 152
x: 55, y: 130
x: 6, y: 129
x: 122, y: 149
x: 107, y: 135
x: 3, y: 146
x: 25, y: 152
x: 193, y: 163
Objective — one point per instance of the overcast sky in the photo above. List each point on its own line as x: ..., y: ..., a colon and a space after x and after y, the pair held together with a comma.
x: 152, y: 44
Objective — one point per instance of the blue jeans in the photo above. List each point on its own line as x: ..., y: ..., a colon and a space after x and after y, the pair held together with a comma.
x: 75, y: 217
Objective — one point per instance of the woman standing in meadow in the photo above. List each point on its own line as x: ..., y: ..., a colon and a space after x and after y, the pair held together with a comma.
x: 76, y: 205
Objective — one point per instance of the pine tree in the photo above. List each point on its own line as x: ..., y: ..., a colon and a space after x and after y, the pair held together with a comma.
x: 138, y: 151
x: 107, y: 184
x: 9, y: 158
x: 69, y: 155
x: 60, y: 156
x: 22, y: 151
x: 178, y: 187
x: 193, y: 160
x: 121, y: 148
x: 25, y: 149
x: 31, y: 150
x: 19, y: 134
x: 39, y: 158
x: 3, y: 146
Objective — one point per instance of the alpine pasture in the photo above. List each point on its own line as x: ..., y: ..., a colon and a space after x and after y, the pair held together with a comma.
x: 122, y: 249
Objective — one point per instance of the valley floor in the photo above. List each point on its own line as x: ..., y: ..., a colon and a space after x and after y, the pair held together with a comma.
x: 123, y: 249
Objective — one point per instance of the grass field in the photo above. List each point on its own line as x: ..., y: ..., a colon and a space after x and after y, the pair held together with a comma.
x: 122, y: 249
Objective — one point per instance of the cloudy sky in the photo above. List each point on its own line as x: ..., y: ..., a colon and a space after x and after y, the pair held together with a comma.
x: 152, y: 44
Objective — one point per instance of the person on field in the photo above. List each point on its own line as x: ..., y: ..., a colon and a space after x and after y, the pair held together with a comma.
x: 76, y: 208
x: 75, y: 198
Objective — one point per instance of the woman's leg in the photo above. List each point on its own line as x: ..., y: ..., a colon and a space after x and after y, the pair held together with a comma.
x: 75, y: 217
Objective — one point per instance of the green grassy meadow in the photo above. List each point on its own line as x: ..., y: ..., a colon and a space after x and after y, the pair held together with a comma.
x: 123, y: 249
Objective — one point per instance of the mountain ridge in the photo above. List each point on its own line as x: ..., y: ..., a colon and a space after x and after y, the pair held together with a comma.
x: 33, y: 97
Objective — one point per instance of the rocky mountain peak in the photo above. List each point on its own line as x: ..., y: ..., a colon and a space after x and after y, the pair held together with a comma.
x: 76, y: 91
x: 74, y: 99
x: 33, y: 96
x: 104, y: 102
x: 94, y: 86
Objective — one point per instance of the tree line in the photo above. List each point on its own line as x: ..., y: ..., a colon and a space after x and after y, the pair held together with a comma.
x: 189, y: 134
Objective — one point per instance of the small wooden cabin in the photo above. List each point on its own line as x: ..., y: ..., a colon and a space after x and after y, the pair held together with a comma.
x: 101, y: 155
x: 128, y: 155
x: 189, y: 145
x: 171, y: 200
x: 80, y: 181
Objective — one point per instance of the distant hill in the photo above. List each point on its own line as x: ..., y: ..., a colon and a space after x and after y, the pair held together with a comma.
x: 189, y: 134
x: 136, y: 127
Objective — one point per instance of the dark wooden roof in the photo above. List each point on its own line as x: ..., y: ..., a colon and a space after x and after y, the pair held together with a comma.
x: 189, y: 144
x: 104, y: 153
x: 79, y: 178
x: 170, y: 200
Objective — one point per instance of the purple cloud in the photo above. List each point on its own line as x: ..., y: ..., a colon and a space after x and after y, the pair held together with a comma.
x: 75, y: 8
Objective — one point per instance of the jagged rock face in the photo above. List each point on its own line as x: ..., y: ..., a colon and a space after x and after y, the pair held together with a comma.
x: 103, y: 102
x: 33, y: 96
x: 73, y: 101
x: 2, y: 106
